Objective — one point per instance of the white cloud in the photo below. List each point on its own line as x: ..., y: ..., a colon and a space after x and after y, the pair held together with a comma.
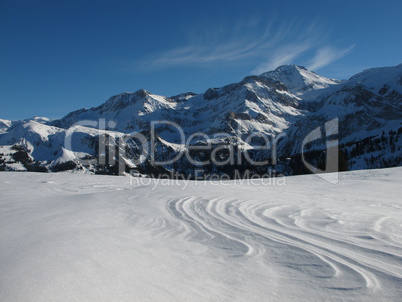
x: 272, y: 44
x: 327, y: 55
x: 219, y: 44
x: 284, y: 55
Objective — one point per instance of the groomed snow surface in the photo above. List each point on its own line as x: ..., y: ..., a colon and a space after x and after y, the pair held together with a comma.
x: 66, y: 237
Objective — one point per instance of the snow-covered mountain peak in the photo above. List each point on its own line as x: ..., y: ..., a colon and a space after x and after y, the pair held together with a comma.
x: 299, y: 80
x: 123, y: 100
x: 40, y: 119
x: 380, y: 79
x: 134, y: 102
x: 5, y: 123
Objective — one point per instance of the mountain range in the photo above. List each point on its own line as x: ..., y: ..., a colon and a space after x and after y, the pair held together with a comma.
x: 259, y: 124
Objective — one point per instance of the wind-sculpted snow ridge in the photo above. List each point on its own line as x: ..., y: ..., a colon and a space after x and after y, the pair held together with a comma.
x: 256, y: 229
x: 98, y: 238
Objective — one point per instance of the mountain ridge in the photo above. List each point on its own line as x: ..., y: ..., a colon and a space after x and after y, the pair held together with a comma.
x: 289, y: 100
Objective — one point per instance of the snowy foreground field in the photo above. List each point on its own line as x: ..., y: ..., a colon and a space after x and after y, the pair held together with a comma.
x: 66, y: 237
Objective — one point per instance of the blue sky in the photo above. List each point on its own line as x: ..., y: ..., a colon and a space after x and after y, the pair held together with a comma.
x: 59, y: 56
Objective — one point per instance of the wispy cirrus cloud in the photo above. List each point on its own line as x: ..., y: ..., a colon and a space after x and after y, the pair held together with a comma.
x: 283, y: 55
x: 326, y: 55
x: 222, y: 44
x: 271, y: 43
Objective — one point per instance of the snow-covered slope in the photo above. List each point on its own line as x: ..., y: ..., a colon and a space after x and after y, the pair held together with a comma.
x: 4, y: 125
x: 381, y: 79
x: 67, y: 237
x: 46, y: 145
x: 289, y: 101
